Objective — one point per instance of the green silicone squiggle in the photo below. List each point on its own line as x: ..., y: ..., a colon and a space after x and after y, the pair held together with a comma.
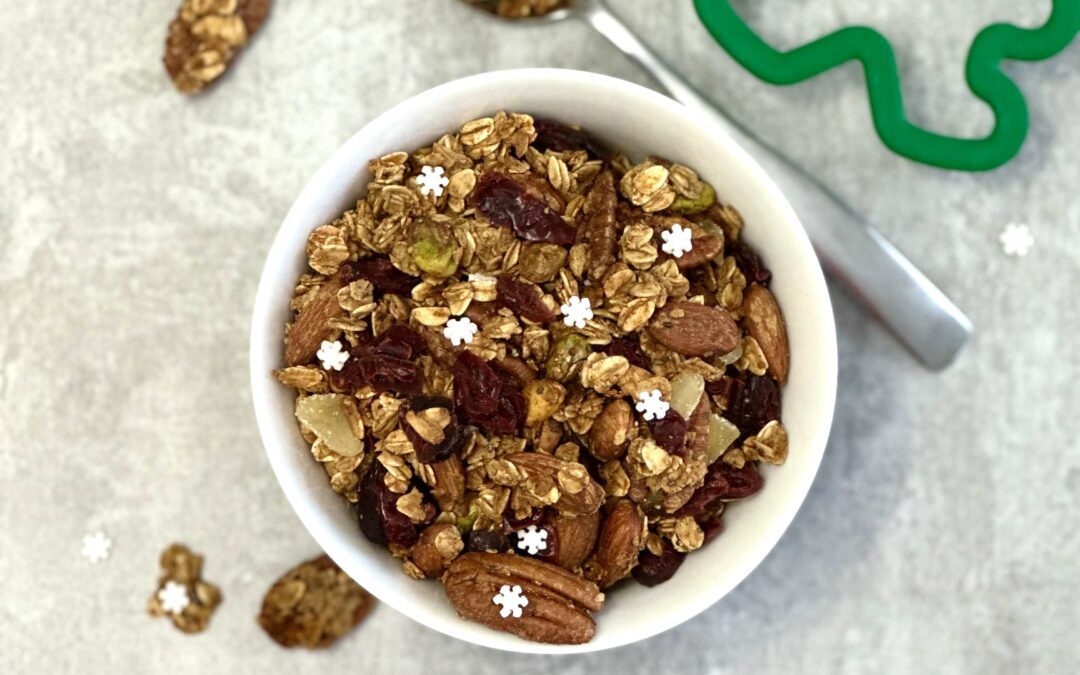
x: 992, y: 45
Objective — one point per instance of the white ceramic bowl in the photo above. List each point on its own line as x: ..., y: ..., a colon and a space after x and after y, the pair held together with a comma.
x: 637, y: 121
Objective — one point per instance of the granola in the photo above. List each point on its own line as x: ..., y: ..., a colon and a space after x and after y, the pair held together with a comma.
x: 182, y: 595
x: 521, y: 345
x: 206, y: 36
x: 520, y: 9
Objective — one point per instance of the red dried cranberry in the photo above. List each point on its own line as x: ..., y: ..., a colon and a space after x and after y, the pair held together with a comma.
x: 503, y: 201
x: 552, y: 135
x: 670, y: 433
x: 511, y: 524
x: 377, y: 514
x: 752, y: 401
x: 653, y: 570
x: 381, y: 273
x: 629, y: 349
x: 476, y: 386
x: 399, y: 341
x: 388, y: 373
x: 485, y: 541
x: 712, y: 526
x: 523, y: 299
x: 749, y: 263
x: 508, y: 415
x: 722, y: 482
x: 454, y: 435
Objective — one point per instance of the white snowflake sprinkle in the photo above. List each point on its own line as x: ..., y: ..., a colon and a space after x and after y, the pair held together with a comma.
x: 651, y: 406
x: 459, y: 331
x: 577, y: 311
x: 432, y: 180
x: 332, y: 355
x: 677, y: 241
x: 1016, y: 239
x: 511, y: 599
x: 533, y: 539
x: 174, y: 597
x: 95, y: 547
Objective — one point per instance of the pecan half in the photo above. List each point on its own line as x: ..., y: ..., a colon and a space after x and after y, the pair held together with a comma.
x: 600, y: 226
x: 310, y: 327
x: 621, y: 539
x: 558, y: 601
x: 694, y: 330
x: 766, y: 325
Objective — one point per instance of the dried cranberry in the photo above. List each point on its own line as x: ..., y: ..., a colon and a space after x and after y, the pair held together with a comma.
x: 523, y: 299
x: 712, y: 526
x: 749, y: 263
x: 399, y: 341
x: 508, y: 415
x: 381, y: 273
x: 505, y: 202
x: 670, y: 433
x: 485, y: 541
x: 722, y: 482
x: 476, y: 386
x: 388, y: 373
x: 752, y: 402
x: 377, y: 514
x: 552, y: 135
x: 631, y: 350
x: 511, y: 524
x: 653, y: 570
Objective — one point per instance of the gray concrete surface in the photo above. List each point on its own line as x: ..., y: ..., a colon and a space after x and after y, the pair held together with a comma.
x: 941, y: 535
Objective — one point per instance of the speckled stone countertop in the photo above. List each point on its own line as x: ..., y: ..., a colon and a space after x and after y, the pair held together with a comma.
x: 941, y: 534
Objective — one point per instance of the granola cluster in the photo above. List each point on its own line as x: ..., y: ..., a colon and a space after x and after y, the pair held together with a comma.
x: 206, y: 36
x: 521, y: 345
x: 520, y: 9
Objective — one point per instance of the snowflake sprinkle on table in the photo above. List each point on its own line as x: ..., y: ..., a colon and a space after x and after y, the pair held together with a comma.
x: 1016, y: 239
x: 677, y: 241
x: 95, y: 547
x: 577, y: 311
x: 459, y: 331
x: 432, y: 180
x: 332, y: 355
x: 533, y: 539
x: 174, y: 597
x: 651, y: 406
x: 511, y: 599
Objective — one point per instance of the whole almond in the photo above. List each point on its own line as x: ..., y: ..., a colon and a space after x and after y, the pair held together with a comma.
x: 310, y: 329
x: 449, y: 487
x: 621, y: 539
x: 575, y: 538
x: 704, y: 249
x: 579, y: 494
x: 558, y: 601
x: 610, y: 432
x: 691, y: 329
x: 766, y: 325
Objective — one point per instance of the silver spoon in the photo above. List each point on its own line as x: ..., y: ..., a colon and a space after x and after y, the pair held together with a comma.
x: 855, y: 254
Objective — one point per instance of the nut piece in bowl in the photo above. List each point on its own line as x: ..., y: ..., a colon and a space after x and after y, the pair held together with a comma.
x: 537, y: 368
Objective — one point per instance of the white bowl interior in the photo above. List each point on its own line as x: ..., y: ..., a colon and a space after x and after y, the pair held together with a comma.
x: 636, y: 121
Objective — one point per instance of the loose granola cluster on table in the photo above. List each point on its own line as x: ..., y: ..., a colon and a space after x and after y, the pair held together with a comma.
x: 520, y: 9
x: 537, y: 368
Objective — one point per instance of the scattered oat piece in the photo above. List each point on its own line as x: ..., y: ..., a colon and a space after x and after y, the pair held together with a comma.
x: 182, y: 595
x: 577, y: 311
x: 1016, y: 239
x: 332, y: 356
x: 511, y: 599
x: 677, y: 241
x: 532, y: 539
x: 460, y: 331
x: 432, y: 180
x: 651, y: 406
x: 313, y: 605
x: 95, y: 547
x: 206, y: 36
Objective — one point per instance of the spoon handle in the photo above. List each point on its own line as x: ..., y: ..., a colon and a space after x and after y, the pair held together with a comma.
x: 855, y: 254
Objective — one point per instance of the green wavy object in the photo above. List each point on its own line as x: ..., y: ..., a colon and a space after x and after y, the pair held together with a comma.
x: 991, y: 46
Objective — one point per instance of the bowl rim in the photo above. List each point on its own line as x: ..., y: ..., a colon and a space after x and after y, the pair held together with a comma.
x: 297, y: 492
